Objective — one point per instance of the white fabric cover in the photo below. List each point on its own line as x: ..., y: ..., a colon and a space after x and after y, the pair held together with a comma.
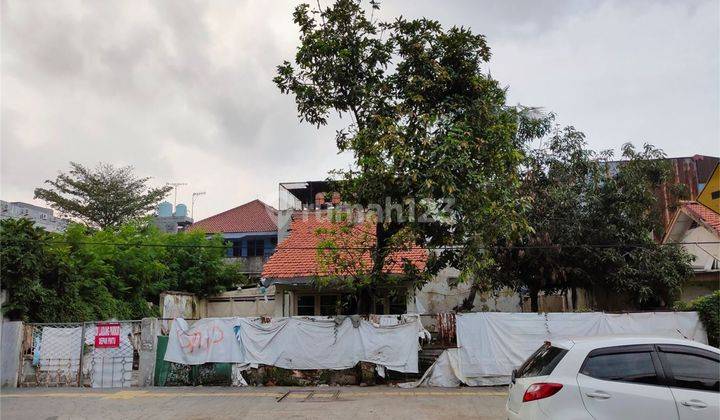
x: 208, y: 340
x: 299, y: 343
x: 492, y: 344
x: 60, y: 349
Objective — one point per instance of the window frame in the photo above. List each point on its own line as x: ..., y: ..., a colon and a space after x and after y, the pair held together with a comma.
x: 314, y: 306
x: 632, y: 348
x: 662, y: 349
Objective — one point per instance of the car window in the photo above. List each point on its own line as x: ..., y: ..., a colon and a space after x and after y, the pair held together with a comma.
x: 694, y: 371
x: 627, y: 367
x: 542, y: 362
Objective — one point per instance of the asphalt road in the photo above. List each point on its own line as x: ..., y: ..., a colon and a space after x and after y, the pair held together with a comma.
x: 356, y: 403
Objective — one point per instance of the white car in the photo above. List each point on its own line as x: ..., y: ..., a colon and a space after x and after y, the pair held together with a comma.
x: 617, y: 377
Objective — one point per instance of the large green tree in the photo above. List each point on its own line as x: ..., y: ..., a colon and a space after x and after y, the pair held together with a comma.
x: 106, y: 196
x: 425, y: 122
x: 591, y: 228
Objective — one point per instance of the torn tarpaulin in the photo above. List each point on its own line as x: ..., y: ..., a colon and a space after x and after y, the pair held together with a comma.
x: 296, y: 343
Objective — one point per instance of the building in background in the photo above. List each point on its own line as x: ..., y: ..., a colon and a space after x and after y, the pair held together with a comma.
x: 251, y: 229
x: 690, y: 172
x: 696, y: 225
x: 41, y: 216
x: 170, y: 221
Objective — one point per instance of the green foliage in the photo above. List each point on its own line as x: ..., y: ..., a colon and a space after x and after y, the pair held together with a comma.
x: 102, y: 197
x: 84, y: 274
x: 592, y: 224
x: 428, y: 123
x: 708, y: 309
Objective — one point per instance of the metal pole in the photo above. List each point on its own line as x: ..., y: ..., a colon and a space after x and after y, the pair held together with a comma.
x: 82, y: 348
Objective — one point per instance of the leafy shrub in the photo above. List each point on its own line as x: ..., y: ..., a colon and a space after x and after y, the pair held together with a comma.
x: 708, y: 309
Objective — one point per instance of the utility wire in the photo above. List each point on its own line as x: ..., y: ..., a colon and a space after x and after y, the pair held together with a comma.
x: 281, y: 247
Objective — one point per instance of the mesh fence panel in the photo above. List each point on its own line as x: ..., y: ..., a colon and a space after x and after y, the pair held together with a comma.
x: 70, y: 354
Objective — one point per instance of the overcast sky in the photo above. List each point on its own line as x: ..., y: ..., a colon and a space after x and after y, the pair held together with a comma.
x: 183, y: 90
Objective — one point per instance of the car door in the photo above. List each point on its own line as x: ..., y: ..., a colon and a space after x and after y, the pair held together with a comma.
x: 694, y: 378
x: 625, y: 382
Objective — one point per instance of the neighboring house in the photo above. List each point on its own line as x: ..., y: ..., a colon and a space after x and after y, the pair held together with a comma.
x: 698, y: 229
x: 251, y: 229
x: 296, y: 266
x: 40, y: 216
x: 691, y: 172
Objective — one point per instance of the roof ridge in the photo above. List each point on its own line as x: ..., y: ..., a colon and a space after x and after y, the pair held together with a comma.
x: 235, y: 208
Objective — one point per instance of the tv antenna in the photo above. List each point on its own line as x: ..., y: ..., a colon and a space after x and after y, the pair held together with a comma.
x: 176, y: 185
x: 192, y: 204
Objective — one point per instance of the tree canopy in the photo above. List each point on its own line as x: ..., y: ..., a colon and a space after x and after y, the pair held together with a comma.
x: 591, y: 227
x: 119, y: 273
x: 425, y: 123
x: 105, y: 196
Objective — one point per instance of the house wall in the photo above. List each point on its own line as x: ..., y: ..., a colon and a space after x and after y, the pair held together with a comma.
x: 700, y: 285
x: 248, y: 302
x: 705, y: 253
x: 438, y: 296
x: 286, y: 299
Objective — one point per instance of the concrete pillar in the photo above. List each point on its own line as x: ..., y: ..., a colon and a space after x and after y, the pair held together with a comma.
x: 11, y: 334
x: 148, y: 347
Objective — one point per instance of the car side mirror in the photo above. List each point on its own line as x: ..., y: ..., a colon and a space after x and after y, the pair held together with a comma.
x: 513, y: 375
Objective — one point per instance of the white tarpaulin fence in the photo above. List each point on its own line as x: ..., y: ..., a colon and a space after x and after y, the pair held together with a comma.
x: 492, y: 344
x: 297, y: 343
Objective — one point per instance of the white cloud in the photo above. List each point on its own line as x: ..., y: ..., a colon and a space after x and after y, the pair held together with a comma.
x: 184, y: 91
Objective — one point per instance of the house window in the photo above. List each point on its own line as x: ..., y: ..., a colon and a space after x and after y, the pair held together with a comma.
x: 306, y: 305
x: 255, y: 247
x: 397, y: 303
x: 329, y: 305
x: 236, y: 248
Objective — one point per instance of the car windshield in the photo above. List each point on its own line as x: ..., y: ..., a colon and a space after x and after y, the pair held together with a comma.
x: 542, y: 362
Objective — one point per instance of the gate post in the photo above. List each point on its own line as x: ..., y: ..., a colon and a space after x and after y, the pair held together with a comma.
x: 82, y: 350
x: 150, y: 329
x: 10, y: 352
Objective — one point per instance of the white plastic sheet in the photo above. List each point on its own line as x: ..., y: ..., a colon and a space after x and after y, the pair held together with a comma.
x: 60, y: 349
x: 208, y: 340
x: 296, y: 343
x: 492, y: 344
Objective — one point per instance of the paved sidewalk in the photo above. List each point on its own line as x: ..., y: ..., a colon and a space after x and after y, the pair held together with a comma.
x: 356, y: 403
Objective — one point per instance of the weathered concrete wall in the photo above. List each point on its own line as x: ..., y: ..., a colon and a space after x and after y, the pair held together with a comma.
x: 439, y: 296
x: 148, y: 347
x: 249, y: 302
x: 10, y: 343
x: 181, y: 305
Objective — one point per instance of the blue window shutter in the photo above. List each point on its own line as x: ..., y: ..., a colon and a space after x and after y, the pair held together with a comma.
x: 244, y: 248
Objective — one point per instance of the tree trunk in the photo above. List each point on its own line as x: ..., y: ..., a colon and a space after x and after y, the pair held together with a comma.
x: 469, y: 302
x: 364, y: 301
x: 573, y: 290
x: 534, y: 300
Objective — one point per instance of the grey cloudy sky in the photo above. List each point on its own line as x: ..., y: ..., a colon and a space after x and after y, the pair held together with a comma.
x: 182, y: 90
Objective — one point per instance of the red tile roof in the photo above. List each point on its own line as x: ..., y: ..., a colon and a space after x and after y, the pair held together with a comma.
x: 297, y: 256
x: 254, y: 216
x: 703, y: 215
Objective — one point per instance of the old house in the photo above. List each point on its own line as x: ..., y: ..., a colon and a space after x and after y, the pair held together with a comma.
x: 250, y: 228
x: 697, y: 228
x: 297, y: 269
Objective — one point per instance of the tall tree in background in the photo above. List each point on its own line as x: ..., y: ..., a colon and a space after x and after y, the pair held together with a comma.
x: 592, y: 223
x: 426, y: 122
x: 85, y: 274
x: 103, y: 197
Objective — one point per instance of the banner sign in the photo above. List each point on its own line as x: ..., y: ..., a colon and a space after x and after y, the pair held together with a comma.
x: 107, y: 335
